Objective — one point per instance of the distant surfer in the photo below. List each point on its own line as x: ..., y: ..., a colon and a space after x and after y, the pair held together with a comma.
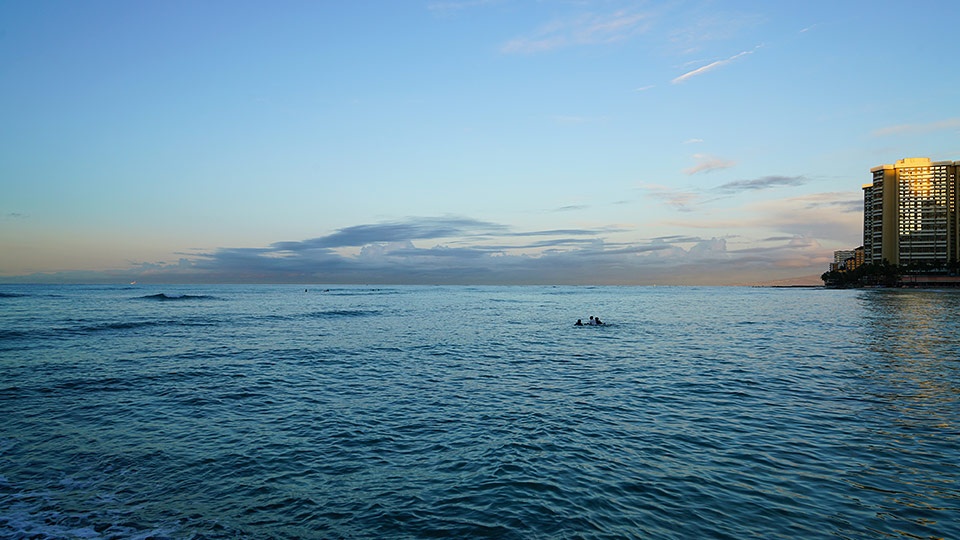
x: 578, y: 323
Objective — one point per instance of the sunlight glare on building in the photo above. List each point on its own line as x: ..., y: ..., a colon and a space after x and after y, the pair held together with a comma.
x: 910, y: 213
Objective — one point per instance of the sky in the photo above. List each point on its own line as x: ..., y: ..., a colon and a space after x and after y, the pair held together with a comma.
x: 458, y: 141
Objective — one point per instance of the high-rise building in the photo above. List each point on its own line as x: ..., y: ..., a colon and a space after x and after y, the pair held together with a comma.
x: 839, y: 257
x: 910, y: 213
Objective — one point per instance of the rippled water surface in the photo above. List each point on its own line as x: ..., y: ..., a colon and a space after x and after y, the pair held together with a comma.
x: 408, y: 412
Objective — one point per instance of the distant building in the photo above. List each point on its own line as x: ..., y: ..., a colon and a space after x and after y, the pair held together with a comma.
x: 847, y: 259
x: 840, y: 259
x: 858, y: 258
x: 842, y: 255
x: 910, y: 213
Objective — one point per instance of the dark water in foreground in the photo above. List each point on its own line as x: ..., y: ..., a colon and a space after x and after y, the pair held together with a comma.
x: 409, y: 412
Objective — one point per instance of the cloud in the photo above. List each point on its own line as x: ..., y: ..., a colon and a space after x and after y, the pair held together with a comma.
x: 693, y: 141
x: 575, y: 256
x: 486, y: 253
x: 776, y: 239
x: 420, y: 229
x: 708, y: 163
x: 644, y: 88
x: 824, y: 216
x: 698, y: 28
x: 678, y: 199
x: 834, y: 202
x: 571, y: 208
x: 797, y: 251
x: 587, y: 29
x: 766, y: 182
x: 918, y: 129
x: 555, y: 232
x: 683, y: 200
x: 710, y: 67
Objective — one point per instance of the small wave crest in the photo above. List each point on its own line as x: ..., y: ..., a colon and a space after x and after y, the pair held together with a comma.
x: 11, y: 295
x: 343, y: 313
x: 163, y: 297
x: 359, y: 292
x: 134, y: 325
x: 80, y: 329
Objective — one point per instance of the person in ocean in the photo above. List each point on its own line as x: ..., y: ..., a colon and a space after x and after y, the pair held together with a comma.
x: 578, y: 323
x: 596, y: 320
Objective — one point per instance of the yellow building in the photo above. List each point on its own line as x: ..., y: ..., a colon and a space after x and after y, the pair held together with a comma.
x: 858, y: 258
x: 910, y: 213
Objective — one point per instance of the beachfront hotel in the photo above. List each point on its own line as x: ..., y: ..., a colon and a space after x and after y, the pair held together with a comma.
x: 910, y: 213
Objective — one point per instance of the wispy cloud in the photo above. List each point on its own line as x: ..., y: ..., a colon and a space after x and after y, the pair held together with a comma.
x: 693, y: 141
x: 796, y: 216
x: 824, y: 216
x: 711, y: 66
x: 917, y: 129
x: 678, y: 199
x: 678, y: 239
x: 644, y: 88
x: 834, y: 201
x: 587, y: 29
x: 766, y: 182
x: 698, y: 28
x: 413, y: 229
x: 555, y: 232
x: 571, y: 208
x: 708, y: 163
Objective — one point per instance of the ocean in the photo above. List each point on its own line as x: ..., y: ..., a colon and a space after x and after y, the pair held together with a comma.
x: 204, y: 412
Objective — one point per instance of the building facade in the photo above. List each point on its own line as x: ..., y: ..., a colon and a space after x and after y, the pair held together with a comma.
x: 910, y: 213
x: 848, y: 259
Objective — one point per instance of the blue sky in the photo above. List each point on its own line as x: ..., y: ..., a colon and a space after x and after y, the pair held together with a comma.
x: 471, y: 141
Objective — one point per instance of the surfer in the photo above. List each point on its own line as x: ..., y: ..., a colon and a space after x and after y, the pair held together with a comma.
x: 578, y: 323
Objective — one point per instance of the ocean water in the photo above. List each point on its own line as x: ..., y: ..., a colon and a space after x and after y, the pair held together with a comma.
x: 470, y: 412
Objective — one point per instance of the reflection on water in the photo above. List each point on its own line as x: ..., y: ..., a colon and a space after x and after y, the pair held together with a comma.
x: 912, y: 323
x: 910, y: 371
x: 915, y: 338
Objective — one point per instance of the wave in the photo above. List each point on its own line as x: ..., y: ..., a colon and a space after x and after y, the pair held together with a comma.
x: 12, y: 295
x: 317, y: 315
x: 87, y: 329
x: 359, y: 292
x: 12, y: 334
x: 342, y: 313
x: 163, y: 297
x: 133, y: 325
